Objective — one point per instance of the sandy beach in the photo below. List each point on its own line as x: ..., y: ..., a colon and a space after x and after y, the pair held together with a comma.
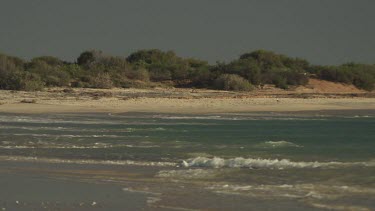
x: 163, y: 100
x: 307, y: 160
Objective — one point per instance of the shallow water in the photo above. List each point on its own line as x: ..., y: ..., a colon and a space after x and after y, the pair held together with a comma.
x: 311, y: 160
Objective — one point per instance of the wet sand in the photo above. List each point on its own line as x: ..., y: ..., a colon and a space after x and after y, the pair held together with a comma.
x: 38, y: 191
x: 42, y: 186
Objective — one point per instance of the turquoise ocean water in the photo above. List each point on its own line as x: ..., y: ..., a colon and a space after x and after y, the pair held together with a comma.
x: 323, y: 161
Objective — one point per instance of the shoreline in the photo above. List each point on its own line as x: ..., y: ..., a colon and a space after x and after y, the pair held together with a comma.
x: 177, y: 101
x: 200, y: 106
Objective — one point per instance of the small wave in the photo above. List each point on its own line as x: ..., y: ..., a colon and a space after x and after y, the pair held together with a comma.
x: 132, y: 190
x: 67, y: 135
x: 138, y: 146
x: 145, y: 129
x: 31, y: 128
x: 277, y: 144
x: 54, y: 147
x: 44, y: 145
x: 359, y: 116
x: 258, y: 163
x: 343, y: 207
x: 189, y: 117
x: 237, y: 117
x: 54, y: 120
x: 81, y: 161
x: 316, y: 191
x: 17, y: 147
x: 317, y: 195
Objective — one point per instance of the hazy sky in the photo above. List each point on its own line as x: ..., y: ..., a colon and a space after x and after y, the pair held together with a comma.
x: 322, y: 31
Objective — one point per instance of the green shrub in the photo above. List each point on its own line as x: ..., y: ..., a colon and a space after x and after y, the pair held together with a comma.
x: 200, y: 77
x: 364, y: 81
x: 147, y: 68
x: 11, y: 69
x: 140, y: 74
x: 232, y: 82
x: 360, y: 75
x: 51, y: 75
x: 32, y: 82
x: 158, y: 73
x: 161, y: 65
x: 280, y: 82
x: 74, y: 70
x: 58, y: 78
x: 24, y: 81
x: 101, y: 81
x: 296, y: 78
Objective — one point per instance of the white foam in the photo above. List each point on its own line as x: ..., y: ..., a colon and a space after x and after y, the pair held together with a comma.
x: 68, y: 135
x: 81, y: 161
x: 338, y: 207
x: 240, y: 162
x: 316, y: 191
x: 277, y: 144
x: 60, y: 145
x: 145, y: 129
x: 191, y: 117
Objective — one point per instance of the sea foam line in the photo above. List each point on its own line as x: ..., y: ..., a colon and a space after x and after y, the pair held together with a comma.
x: 81, y: 161
x: 258, y: 163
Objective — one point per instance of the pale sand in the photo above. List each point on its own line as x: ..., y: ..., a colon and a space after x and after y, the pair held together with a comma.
x: 174, y: 101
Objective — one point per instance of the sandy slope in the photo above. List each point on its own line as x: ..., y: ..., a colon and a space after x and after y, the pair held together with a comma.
x: 317, y: 95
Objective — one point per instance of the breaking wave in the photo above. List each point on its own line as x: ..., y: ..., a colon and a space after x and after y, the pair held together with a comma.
x: 257, y: 163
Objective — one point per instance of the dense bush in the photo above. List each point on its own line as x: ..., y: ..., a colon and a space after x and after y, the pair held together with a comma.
x: 360, y: 75
x: 101, y: 81
x: 164, y: 66
x: 149, y: 68
x: 14, y: 77
x: 232, y: 82
x: 265, y: 67
x: 50, y: 73
x: 140, y: 74
x: 30, y: 82
x: 200, y: 77
x: 22, y: 81
x: 247, y: 68
x: 280, y: 82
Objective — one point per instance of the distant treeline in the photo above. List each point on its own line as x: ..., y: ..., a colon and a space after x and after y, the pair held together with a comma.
x: 151, y: 68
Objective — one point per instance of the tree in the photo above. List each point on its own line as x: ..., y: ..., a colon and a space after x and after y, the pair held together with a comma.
x: 161, y: 65
x: 88, y: 57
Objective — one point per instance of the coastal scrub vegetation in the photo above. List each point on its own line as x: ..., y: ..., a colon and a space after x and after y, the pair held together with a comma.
x: 153, y: 68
